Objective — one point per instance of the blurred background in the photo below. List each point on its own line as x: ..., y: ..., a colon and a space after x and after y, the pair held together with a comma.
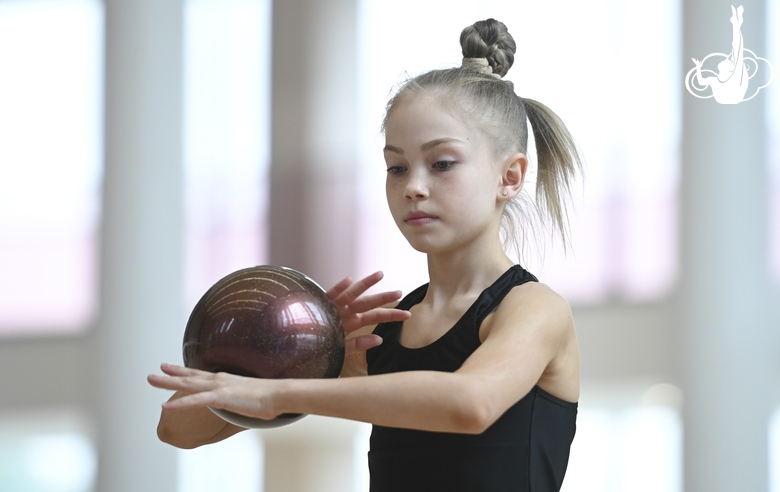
x: 150, y: 147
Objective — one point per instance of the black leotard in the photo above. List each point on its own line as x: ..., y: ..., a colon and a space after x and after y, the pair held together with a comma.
x: 526, y: 449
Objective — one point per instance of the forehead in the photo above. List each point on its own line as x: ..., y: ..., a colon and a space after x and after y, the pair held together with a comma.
x: 426, y: 117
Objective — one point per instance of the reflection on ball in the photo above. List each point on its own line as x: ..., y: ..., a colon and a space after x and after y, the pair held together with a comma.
x: 265, y: 322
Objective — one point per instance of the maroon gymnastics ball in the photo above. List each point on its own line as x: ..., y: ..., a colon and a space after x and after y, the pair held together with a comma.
x: 265, y: 322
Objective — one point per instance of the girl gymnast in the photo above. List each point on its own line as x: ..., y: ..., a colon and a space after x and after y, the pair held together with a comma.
x: 471, y: 382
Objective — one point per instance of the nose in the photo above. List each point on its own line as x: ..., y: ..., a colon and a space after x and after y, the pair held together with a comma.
x: 416, y: 187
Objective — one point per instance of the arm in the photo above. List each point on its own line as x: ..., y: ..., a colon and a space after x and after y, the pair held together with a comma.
x: 193, y: 427
x: 529, y: 341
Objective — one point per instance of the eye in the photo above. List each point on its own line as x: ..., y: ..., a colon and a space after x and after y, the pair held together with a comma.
x: 396, y: 170
x: 442, y: 165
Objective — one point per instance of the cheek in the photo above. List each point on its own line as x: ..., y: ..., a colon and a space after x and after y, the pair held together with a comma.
x: 393, y: 195
x: 479, y: 198
x: 474, y: 187
x: 390, y: 189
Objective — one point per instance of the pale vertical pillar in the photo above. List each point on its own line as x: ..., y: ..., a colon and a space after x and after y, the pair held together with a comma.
x: 141, y: 319
x: 314, y: 115
x: 728, y: 364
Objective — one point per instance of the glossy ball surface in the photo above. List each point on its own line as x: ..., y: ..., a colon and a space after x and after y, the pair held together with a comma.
x: 266, y: 322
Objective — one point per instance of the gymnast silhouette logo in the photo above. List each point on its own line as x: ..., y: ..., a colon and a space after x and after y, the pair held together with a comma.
x: 731, y: 82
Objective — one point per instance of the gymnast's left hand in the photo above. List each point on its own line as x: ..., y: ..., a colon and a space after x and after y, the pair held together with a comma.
x: 252, y: 397
x: 358, y: 311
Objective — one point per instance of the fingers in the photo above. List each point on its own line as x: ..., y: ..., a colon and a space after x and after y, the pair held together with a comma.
x: 349, y: 294
x: 385, y: 315
x: 337, y: 289
x: 200, y: 388
x: 374, y: 317
x: 361, y: 343
x: 179, y: 378
x: 366, y: 303
x: 195, y: 400
x: 174, y: 370
x: 188, y: 384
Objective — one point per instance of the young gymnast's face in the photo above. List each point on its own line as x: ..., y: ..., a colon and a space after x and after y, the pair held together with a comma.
x: 443, y: 181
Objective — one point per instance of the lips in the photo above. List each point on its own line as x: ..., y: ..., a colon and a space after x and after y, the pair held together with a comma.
x: 419, y: 218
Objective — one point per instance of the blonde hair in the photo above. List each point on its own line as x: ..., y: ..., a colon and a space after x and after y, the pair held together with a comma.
x: 502, y: 113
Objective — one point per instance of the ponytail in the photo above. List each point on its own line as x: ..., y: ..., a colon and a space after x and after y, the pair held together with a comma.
x: 558, y: 163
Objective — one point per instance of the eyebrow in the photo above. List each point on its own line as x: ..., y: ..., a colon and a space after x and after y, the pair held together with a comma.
x: 423, y: 147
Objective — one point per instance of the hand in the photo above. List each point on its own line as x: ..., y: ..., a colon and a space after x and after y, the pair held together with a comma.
x: 697, y: 62
x: 247, y: 396
x: 357, y: 312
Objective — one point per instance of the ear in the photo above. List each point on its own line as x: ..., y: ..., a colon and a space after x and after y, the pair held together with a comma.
x: 513, y: 176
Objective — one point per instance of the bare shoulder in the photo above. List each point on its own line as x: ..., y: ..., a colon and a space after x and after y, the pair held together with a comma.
x: 533, y: 305
x: 537, y: 291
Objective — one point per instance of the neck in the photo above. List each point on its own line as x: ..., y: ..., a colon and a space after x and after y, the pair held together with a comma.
x: 465, y: 272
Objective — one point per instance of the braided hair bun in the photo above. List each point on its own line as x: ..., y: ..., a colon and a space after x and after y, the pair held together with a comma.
x: 491, y: 40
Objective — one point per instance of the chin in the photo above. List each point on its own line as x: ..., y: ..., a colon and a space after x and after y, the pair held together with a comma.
x: 429, y: 247
x: 421, y: 245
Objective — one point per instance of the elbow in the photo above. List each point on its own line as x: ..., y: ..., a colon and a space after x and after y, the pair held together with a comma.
x: 166, y: 435
x: 476, y: 415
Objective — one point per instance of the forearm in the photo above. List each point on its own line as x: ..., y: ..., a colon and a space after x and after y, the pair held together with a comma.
x: 424, y: 400
x: 194, y: 427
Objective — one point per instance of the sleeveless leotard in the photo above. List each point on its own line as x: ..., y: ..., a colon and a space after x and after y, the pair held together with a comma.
x: 526, y: 449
